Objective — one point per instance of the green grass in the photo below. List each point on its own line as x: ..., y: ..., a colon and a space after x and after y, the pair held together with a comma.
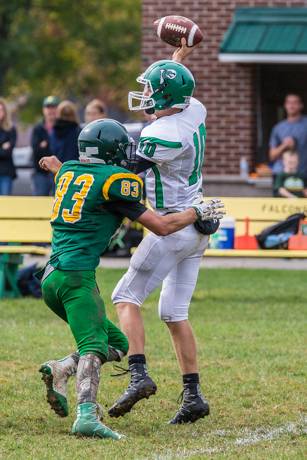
x: 250, y: 326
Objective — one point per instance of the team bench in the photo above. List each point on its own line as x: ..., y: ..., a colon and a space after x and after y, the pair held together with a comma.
x: 24, y: 226
x: 262, y: 212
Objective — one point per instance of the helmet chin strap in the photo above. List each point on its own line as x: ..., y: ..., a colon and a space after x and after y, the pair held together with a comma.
x: 150, y: 111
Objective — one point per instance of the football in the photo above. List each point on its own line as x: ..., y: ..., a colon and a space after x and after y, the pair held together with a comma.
x: 171, y: 29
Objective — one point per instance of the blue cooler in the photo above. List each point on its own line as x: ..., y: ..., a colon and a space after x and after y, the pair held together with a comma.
x: 224, y: 238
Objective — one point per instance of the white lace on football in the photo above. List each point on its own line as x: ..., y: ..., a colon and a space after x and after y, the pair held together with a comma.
x: 176, y: 27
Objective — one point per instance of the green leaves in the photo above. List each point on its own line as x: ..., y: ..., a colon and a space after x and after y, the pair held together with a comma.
x: 73, y: 49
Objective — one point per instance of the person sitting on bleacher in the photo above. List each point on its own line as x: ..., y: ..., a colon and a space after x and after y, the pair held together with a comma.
x: 289, y: 183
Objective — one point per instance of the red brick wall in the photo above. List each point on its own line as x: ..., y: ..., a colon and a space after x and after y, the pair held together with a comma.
x: 228, y: 90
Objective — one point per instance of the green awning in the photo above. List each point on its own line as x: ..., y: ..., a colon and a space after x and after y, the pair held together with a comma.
x: 266, y: 35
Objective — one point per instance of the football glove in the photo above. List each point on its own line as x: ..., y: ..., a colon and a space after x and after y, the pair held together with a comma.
x: 208, y: 210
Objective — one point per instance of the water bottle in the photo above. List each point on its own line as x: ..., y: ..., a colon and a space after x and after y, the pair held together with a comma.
x: 243, y: 168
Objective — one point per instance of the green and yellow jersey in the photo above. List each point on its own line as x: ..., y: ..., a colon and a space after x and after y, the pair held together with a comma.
x: 295, y: 183
x: 90, y: 203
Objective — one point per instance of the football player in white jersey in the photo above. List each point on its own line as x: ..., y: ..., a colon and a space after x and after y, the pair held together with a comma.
x: 171, y: 149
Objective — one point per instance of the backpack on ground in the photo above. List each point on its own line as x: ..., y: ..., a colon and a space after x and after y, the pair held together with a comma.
x: 28, y: 284
x: 277, y: 236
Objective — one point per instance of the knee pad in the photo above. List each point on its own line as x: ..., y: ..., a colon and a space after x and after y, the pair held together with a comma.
x: 164, y: 314
x: 169, y: 312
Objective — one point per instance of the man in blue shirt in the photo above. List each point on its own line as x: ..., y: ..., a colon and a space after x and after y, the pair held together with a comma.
x: 290, y: 134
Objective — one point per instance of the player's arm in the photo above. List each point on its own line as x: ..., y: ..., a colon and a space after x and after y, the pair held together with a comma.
x: 170, y: 223
x: 122, y: 192
x: 160, y: 225
x: 183, y: 51
x: 165, y: 225
x: 173, y: 222
x: 51, y: 164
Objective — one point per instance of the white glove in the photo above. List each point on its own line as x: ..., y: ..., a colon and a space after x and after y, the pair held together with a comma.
x: 209, y: 210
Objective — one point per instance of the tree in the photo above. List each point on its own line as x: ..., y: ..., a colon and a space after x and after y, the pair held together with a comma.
x: 74, y: 49
x: 7, y: 16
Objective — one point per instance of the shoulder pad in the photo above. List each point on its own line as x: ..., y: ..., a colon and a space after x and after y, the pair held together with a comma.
x: 123, y: 186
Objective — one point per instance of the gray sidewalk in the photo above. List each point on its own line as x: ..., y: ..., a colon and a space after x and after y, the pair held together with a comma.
x: 209, y: 262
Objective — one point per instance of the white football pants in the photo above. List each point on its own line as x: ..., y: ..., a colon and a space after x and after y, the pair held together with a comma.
x: 172, y: 260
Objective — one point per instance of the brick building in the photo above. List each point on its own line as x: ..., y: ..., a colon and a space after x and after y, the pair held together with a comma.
x: 242, y: 87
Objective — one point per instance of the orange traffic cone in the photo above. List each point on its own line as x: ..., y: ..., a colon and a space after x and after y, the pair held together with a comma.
x: 299, y: 241
x: 246, y: 241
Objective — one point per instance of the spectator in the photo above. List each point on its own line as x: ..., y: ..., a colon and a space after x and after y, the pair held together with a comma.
x: 290, y: 134
x: 43, y: 183
x: 64, y: 135
x: 95, y: 110
x: 7, y: 143
x: 289, y: 183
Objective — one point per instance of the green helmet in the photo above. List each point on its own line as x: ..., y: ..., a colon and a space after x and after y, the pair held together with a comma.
x: 166, y: 84
x: 105, y: 141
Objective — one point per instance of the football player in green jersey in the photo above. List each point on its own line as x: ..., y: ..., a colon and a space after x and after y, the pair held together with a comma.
x: 92, y: 197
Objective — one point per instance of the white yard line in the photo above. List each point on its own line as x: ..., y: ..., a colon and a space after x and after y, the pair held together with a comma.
x: 247, y: 438
x: 186, y: 453
x: 262, y: 434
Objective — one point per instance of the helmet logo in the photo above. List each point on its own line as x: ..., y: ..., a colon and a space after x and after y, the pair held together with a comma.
x: 91, y: 151
x: 167, y: 73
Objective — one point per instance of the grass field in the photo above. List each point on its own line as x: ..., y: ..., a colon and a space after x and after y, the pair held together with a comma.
x: 250, y: 326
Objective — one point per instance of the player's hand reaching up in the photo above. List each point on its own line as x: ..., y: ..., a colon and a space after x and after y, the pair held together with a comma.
x: 210, y: 209
x: 51, y: 164
x: 181, y: 53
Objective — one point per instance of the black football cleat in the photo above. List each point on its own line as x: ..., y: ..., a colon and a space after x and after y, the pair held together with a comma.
x: 141, y: 386
x: 194, y: 406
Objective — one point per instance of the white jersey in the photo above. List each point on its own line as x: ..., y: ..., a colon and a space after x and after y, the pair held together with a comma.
x: 176, y: 144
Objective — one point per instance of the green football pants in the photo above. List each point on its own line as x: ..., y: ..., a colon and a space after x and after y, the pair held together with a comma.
x: 74, y: 297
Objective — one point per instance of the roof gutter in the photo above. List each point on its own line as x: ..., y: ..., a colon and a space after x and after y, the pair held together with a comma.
x: 265, y: 58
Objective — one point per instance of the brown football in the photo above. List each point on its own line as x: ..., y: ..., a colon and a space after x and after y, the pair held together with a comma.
x: 171, y: 29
